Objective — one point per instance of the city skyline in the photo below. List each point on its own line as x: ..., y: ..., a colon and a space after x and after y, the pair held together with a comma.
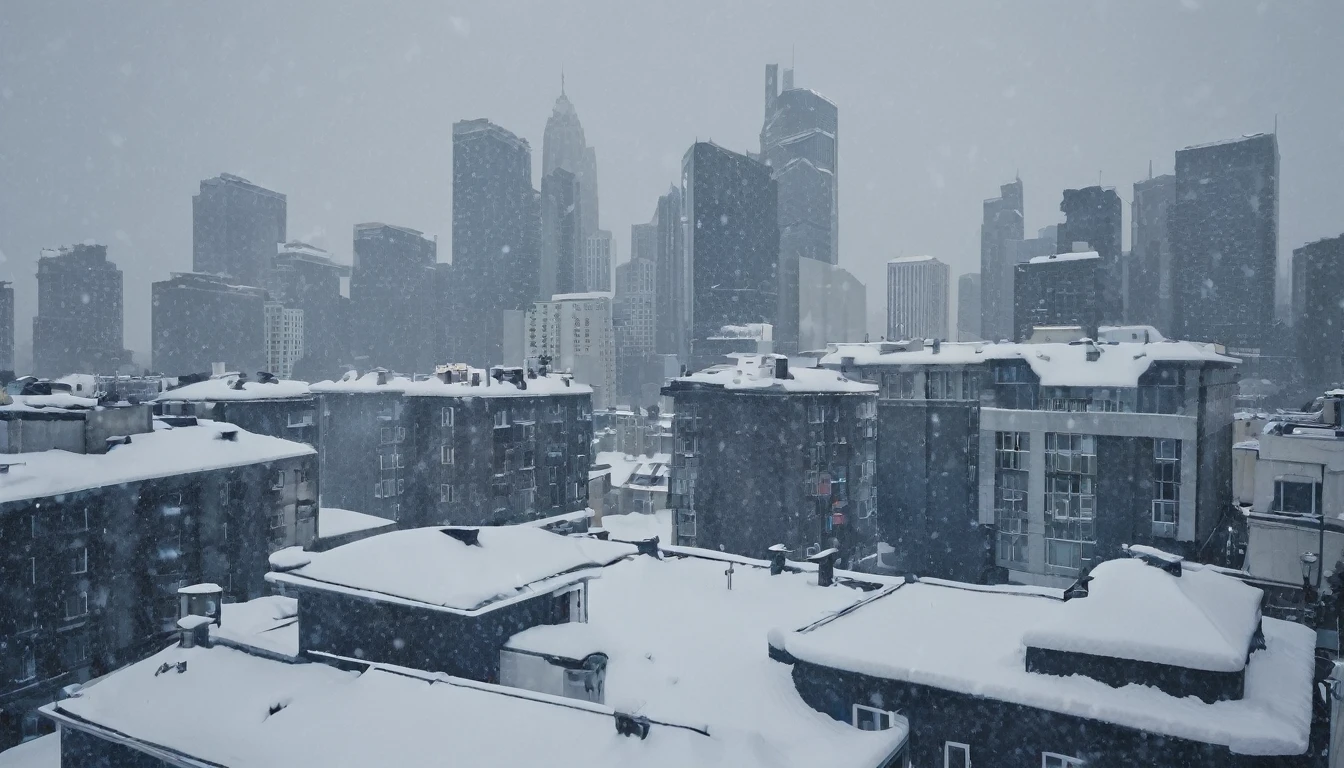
x: 933, y: 172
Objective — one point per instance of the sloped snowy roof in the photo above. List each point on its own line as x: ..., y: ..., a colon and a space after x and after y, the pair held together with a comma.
x: 223, y: 388
x: 1199, y: 620
x: 42, y: 752
x: 429, y: 568
x: 1120, y: 364
x: 554, y: 384
x: 333, y: 521
x: 1054, y: 257
x: 269, y: 624
x: 953, y: 650
x: 757, y: 373
x: 165, y: 451
x: 589, y: 296
x: 368, y: 383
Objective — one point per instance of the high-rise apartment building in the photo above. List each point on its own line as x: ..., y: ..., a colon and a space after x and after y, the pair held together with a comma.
x: 284, y: 338
x: 1059, y: 289
x: 731, y: 239
x: 1151, y: 277
x: 634, y: 310
x: 496, y: 238
x: 78, y: 327
x: 1318, y: 322
x: 917, y: 298
x: 6, y: 326
x: 198, y: 320
x: 561, y: 232
x: 575, y: 331
x: 595, y: 269
x: 673, y: 285
x: 968, y: 307
x: 1002, y: 224
x: 236, y: 226
x: 391, y: 295
x: 564, y: 146
x: 307, y: 279
x: 1092, y: 223
x: 1224, y: 226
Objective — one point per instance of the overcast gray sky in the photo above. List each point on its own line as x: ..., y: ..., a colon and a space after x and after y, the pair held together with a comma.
x: 111, y: 113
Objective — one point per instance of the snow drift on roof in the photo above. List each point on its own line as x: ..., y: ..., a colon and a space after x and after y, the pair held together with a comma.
x: 333, y: 521
x: 366, y: 383
x: 224, y: 388
x: 757, y: 372
x: 553, y: 384
x: 1054, y: 257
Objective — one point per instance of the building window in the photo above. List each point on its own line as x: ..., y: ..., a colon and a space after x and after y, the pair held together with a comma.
x: 1297, y: 497
x: 447, y: 454
x: 448, y: 493
x: 1070, y: 501
x: 872, y: 719
x: 278, y: 481
x: 76, y: 649
x: 28, y: 667
x: 79, y: 561
x: 1053, y: 760
x: 501, y: 418
x: 943, y: 385
x: 1070, y: 453
x: 401, y: 485
x: 1011, y: 450
x: 1166, y: 480
x: 900, y: 386
x: 446, y: 416
x: 816, y: 413
x: 1010, y: 515
x: 32, y: 569
x: 956, y: 755
x: 77, y: 605
x: 301, y: 418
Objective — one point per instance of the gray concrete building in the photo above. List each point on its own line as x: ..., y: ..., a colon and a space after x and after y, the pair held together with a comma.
x: 391, y: 295
x: 968, y: 307
x: 1002, y: 224
x: 1151, y: 274
x: 236, y: 226
x: 832, y: 305
x: 1060, y: 289
x: 918, y: 298
x: 198, y: 320
x: 674, y: 279
x: 1092, y: 223
x: 1318, y: 322
x: 563, y: 146
x: 78, y: 326
x: 306, y: 278
x: 561, y: 233
x: 6, y: 326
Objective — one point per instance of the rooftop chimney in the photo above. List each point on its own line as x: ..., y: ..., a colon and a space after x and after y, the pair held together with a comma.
x: 228, y: 435
x: 382, y: 376
x: 469, y: 536
x: 825, y: 560
x: 632, y: 725
x: 781, y: 367
x: 778, y: 554
x: 937, y: 346
x: 216, y: 369
x: 647, y: 547
x: 475, y: 378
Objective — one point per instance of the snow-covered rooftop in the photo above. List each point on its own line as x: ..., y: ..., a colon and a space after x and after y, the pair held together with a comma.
x: 952, y: 650
x: 1053, y: 257
x: 589, y: 296
x: 163, y: 452
x: 368, y: 383
x: 58, y: 401
x: 269, y: 624
x: 427, y: 567
x: 552, y: 384
x: 1120, y: 364
x: 757, y: 373
x: 624, y: 467
x: 334, y: 521
x: 911, y: 259
x: 42, y: 752
x: 226, y: 388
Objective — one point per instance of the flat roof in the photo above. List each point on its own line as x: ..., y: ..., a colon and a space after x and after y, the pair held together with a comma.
x: 756, y: 373
x: 225, y: 388
x: 1051, y: 258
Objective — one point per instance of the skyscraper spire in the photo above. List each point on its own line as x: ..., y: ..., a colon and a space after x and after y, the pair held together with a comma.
x: 562, y: 81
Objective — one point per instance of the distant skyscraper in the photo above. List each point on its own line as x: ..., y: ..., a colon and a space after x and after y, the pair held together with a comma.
x: 634, y: 310
x: 236, y: 226
x: 968, y: 307
x: 391, y: 293
x: 917, y: 298
x: 832, y: 305
x: 575, y: 330
x: 198, y: 320
x: 306, y: 279
x: 1318, y: 306
x: 1224, y: 226
x: 284, y: 338
x: 1092, y: 216
x: 1150, y: 266
x: 6, y: 326
x: 1003, y: 223
x: 561, y: 232
x: 731, y: 240
x: 1059, y: 289
x: 496, y: 238
x: 78, y: 327
x: 563, y: 146
x: 673, y: 322
x: 595, y: 269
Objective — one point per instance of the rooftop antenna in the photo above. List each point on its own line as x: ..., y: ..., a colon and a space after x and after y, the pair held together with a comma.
x: 1150, y: 169
x: 562, y: 81
x: 1276, y: 123
x: 793, y: 56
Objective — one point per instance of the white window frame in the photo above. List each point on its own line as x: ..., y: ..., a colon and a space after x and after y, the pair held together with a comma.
x: 948, y: 746
x: 501, y: 418
x: 81, y: 561
x: 446, y: 416
x: 447, y: 454
x: 278, y: 482
x: 1061, y: 761
x: 82, y: 597
x: 889, y: 716
x: 447, y: 493
x: 28, y: 668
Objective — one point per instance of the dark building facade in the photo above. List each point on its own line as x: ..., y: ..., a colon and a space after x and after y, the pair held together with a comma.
x: 731, y: 240
x: 78, y: 327
x: 1092, y: 216
x: 236, y: 227
x: 787, y: 458
x: 968, y: 307
x: 391, y: 297
x: 361, y: 450
x: 1318, y: 306
x: 1151, y: 280
x: 305, y: 278
x: 672, y: 313
x: 1002, y: 224
x: 198, y: 320
x: 1224, y: 227
x: 89, y: 576
x: 1064, y: 289
x: 496, y: 238
x: 561, y: 233
x: 6, y: 326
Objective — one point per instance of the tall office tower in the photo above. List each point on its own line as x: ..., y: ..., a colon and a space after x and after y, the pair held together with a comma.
x: 832, y: 305
x: 673, y: 313
x: 968, y: 307
x: 561, y: 232
x: 6, y: 326
x: 236, y: 226
x: 575, y: 330
x: 391, y: 297
x: 198, y: 320
x: 1092, y: 216
x: 731, y: 240
x: 634, y: 311
x: 917, y: 298
x: 1002, y: 224
x: 595, y: 269
x: 563, y: 146
x: 1224, y: 225
x: 1150, y: 266
x: 496, y: 237
x: 284, y: 338
x: 306, y: 279
x: 1318, y: 307
x: 78, y: 327
x: 1059, y: 289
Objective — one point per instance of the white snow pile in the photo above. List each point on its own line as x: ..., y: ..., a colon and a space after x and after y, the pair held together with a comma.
x: 1200, y: 620
x: 949, y: 647
x: 351, y: 383
x: 757, y: 372
x: 429, y: 567
x: 1056, y: 257
x: 225, y: 389
x: 334, y: 521
x: 637, y: 526
x: 572, y: 640
x: 164, y: 452
x: 268, y: 623
x: 42, y: 752
x: 57, y: 401
x: 553, y: 384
